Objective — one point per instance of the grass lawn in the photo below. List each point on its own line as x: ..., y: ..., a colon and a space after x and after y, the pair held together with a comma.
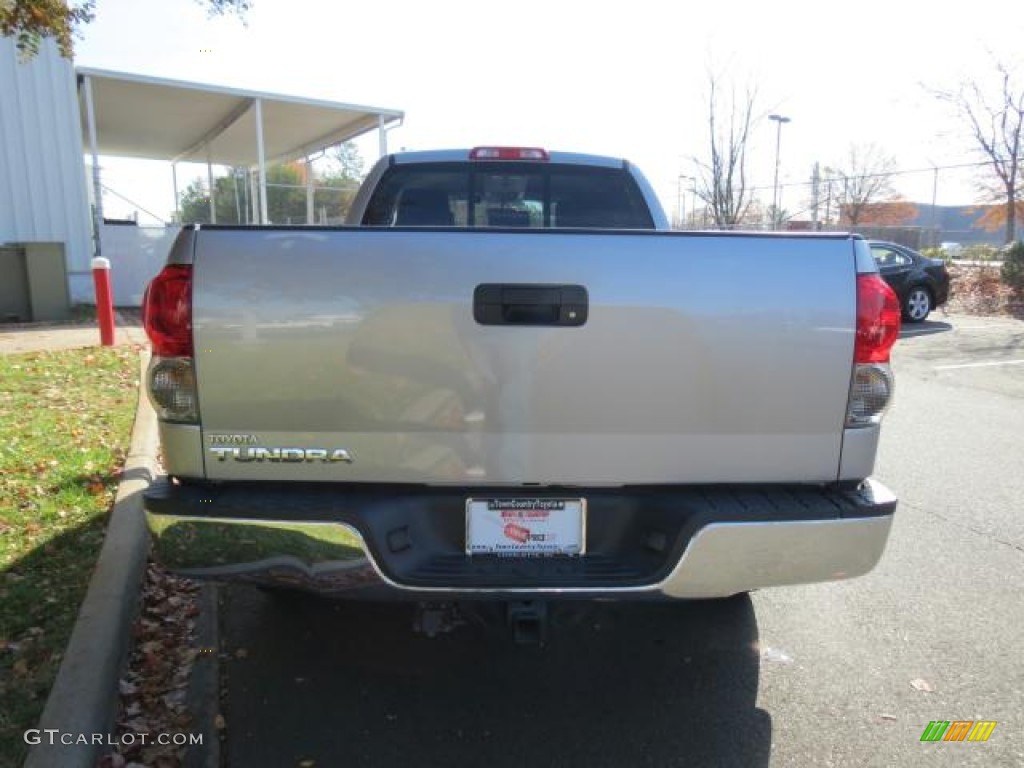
x: 65, y: 424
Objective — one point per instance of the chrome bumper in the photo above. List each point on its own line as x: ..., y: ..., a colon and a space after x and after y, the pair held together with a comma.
x: 721, y: 559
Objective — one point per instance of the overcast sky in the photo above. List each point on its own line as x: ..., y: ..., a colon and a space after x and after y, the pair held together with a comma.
x: 625, y: 79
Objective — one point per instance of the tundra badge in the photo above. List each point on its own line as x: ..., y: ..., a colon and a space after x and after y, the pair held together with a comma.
x: 252, y: 453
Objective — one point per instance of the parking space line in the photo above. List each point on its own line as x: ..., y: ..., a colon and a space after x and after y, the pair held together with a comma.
x: 978, y: 365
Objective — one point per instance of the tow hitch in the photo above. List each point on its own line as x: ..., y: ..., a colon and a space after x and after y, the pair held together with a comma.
x: 529, y: 621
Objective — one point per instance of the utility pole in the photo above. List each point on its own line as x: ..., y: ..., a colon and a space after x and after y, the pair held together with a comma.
x: 815, y: 196
x: 779, y: 120
x: 681, y: 199
x: 828, y: 197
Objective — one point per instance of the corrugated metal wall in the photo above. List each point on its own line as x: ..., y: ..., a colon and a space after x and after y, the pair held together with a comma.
x: 43, y: 194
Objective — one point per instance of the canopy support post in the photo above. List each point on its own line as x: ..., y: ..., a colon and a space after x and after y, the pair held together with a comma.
x: 213, y: 189
x: 262, y: 161
x: 97, y: 185
x: 309, y: 190
x: 174, y: 181
x: 254, y: 197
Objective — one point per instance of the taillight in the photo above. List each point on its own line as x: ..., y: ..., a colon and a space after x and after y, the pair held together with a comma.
x: 167, y: 311
x: 878, y: 320
x: 509, y: 153
x: 878, y: 327
x: 167, y: 317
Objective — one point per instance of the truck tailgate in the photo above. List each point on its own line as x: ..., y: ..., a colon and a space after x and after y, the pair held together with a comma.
x: 703, y: 358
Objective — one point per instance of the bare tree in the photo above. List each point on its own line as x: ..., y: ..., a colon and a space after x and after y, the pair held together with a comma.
x: 723, y: 177
x: 864, y: 180
x: 995, y: 119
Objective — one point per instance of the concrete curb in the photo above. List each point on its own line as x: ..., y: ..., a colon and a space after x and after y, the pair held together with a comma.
x: 83, y: 699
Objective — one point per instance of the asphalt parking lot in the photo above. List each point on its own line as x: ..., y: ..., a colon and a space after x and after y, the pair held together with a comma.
x: 836, y: 674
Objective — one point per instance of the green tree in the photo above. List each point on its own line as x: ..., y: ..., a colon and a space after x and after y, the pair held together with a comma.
x: 1012, y: 270
x: 286, y: 192
x: 336, y: 189
x: 29, y: 21
x: 195, y: 200
x: 346, y: 162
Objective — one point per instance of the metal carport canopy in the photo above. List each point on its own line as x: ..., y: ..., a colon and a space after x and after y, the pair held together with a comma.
x: 128, y: 115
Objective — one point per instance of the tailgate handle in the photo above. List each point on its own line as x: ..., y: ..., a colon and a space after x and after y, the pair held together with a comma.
x: 530, y: 304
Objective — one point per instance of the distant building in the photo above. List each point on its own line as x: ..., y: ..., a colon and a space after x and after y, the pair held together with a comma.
x: 921, y: 225
x: 955, y: 223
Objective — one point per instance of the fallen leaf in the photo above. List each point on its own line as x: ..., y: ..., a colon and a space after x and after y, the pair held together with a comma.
x: 136, y: 724
x: 921, y: 685
x: 219, y: 723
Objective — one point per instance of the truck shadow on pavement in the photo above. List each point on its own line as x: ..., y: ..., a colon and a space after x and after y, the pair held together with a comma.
x: 616, y: 684
x: 926, y: 328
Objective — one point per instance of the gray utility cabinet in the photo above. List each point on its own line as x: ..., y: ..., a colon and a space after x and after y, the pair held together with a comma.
x: 33, y: 283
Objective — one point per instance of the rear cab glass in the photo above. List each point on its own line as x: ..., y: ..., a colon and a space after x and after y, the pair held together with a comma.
x: 507, y: 194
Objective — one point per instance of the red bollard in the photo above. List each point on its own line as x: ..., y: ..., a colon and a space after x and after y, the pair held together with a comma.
x: 104, y: 300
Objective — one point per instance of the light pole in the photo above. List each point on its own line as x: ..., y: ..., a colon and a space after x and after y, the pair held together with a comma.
x: 779, y: 120
x: 680, y: 200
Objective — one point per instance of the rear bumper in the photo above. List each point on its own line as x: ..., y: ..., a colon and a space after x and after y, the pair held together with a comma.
x: 400, y: 542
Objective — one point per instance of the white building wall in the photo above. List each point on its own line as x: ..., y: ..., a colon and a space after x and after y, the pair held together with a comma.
x: 43, y: 194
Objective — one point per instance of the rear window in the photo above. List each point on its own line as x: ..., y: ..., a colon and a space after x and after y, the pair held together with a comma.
x: 529, y: 195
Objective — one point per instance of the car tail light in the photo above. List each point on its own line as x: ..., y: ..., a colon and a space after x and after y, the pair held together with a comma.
x: 167, y: 318
x: 167, y: 311
x: 878, y: 320
x: 509, y: 153
x: 878, y: 327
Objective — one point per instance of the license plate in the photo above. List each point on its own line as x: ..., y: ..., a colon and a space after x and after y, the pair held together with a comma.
x: 526, y: 526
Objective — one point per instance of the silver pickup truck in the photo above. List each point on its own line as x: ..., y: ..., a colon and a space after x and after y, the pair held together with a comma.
x: 507, y: 379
